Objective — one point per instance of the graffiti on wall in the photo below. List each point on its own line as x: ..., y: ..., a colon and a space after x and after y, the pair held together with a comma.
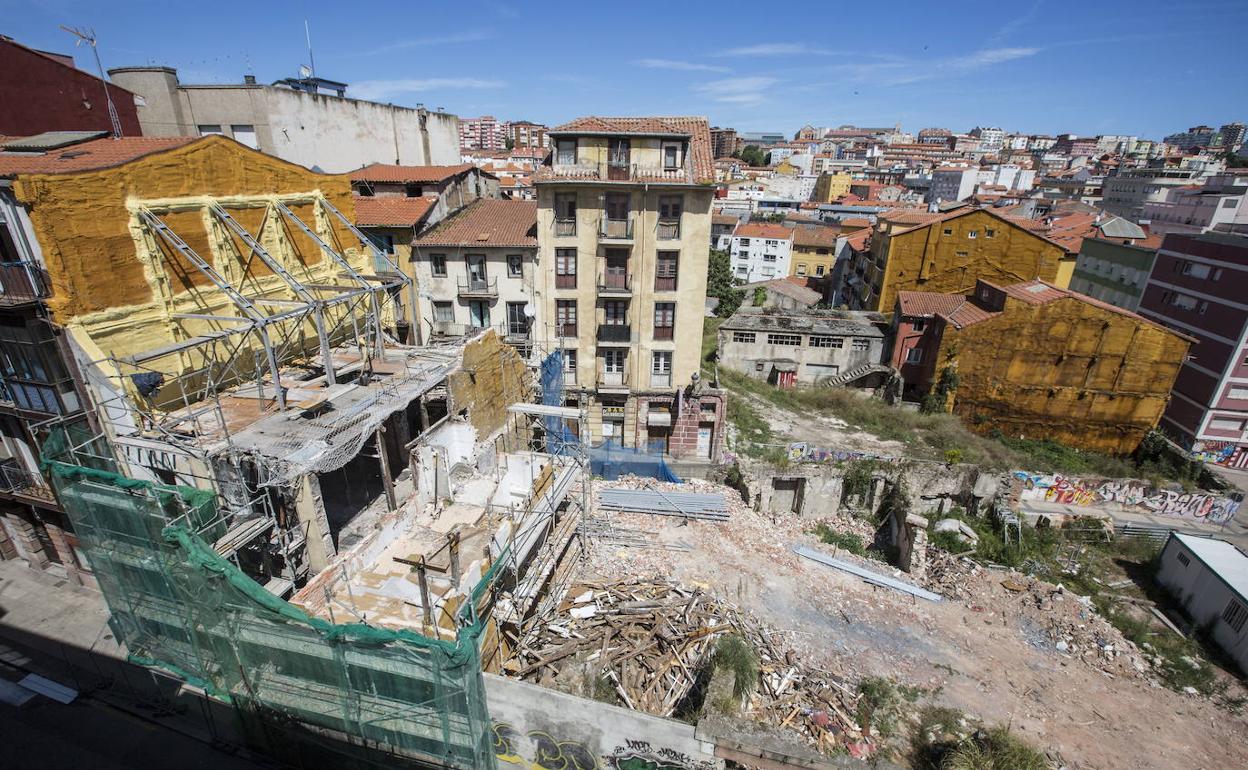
x: 1221, y: 453
x: 1128, y: 494
x: 801, y: 452
x: 539, y: 750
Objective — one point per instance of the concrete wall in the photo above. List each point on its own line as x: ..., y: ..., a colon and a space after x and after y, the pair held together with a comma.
x: 40, y: 94
x: 536, y: 728
x: 812, y: 363
x: 1204, y: 596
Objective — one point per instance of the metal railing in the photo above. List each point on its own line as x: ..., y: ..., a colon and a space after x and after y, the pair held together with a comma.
x: 613, y: 379
x: 23, y: 282
x: 665, y: 283
x: 481, y: 287
x: 664, y: 333
x: 614, y: 282
x: 619, y: 334
x: 17, y: 480
x: 618, y: 172
x: 668, y: 229
x: 565, y: 280
x: 565, y: 227
x: 616, y: 229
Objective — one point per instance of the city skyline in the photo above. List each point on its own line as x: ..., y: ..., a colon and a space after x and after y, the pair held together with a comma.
x: 1019, y: 72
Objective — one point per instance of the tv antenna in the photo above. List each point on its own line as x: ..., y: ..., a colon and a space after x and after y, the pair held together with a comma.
x: 88, y: 36
x: 307, y: 34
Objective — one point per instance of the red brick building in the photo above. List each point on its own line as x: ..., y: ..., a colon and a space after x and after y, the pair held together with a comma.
x: 46, y: 92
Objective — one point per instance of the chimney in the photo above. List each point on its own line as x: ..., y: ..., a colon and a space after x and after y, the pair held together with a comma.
x: 249, y: 80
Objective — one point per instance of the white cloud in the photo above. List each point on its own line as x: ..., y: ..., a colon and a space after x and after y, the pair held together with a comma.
x: 385, y: 89
x: 673, y: 64
x: 776, y: 49
x: 992, y: 56
x: 752, y: 90
x: 423, y: 42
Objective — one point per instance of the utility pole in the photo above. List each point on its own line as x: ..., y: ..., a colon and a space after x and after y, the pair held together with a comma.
x: 88, y: 36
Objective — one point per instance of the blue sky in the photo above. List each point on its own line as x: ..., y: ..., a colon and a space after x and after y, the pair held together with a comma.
x: 1097, y: 66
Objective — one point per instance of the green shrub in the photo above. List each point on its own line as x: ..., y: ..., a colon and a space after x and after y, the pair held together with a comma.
x: 845, y: 540
x: 948, y: 541
x: 995, y: 749
x: 733, y: 654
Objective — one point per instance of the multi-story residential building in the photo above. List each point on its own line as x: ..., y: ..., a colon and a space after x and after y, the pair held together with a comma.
x: 1115, y: 144
x: 808, y: 347
x: 448, y: 188
x: 760, y: 252
x: 948, y: 252
x: 306, y: 121
x: 1197, y: 288
x: 1127, y: 192
x: 44, y: 91
x: 991, y: 140
x: 483, y: 133
x: 1040, y: 143
x: 953, y: 183
x: 476, y: 269
x: 723, y: 142
x: 1196, y: 136
x: 1221, y: 203
x: 831, y: 186
x: 722, y: 226
x: 1039, y: 362
x: 1073, y: 146
x: 624, y: 224
x: 523, y: 133
x: 814, y: 251
x: 1233, y: 135
x: 940, y: 137
x: 1114, y: 265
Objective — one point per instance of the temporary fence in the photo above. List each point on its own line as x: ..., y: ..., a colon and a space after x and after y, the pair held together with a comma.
x: 308, y: 692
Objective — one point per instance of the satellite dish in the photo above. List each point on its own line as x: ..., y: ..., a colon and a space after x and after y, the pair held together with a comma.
x: 529, y: 310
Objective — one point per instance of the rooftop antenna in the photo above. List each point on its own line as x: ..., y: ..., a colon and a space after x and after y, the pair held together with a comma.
x: 88, y: 36
x: 307, y: 34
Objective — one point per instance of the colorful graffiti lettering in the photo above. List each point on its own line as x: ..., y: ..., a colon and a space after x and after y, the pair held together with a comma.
x: 801, y: 452
x: 1221, y: 453
x: 1127, y: 494
x: 640, y: 755
x: 511, y: 746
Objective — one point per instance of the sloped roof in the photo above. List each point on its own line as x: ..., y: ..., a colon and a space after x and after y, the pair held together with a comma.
x: 487, y: 222
x: 790, y: 289
x: 644, y: 126
x: 928, y: 303
x: 388, y: 172
x: 391, y: 211
x: 763, y: 230
x: 858, y: 239
x: 88, y: 156
x: 724, y: 219
x: 815, y: 237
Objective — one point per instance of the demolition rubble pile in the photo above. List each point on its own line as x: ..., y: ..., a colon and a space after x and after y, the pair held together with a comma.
x: 654, y: 640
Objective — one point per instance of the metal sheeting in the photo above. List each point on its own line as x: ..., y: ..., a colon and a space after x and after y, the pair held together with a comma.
x: 683, y: 504
x: 873, y: 578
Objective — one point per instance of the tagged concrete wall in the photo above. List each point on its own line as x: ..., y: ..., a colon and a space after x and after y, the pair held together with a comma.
x: 1126, y: 495
x: 536, y: 728
x: 1065, y: 370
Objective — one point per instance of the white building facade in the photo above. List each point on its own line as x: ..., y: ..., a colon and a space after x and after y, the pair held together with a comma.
x: 760, y: 252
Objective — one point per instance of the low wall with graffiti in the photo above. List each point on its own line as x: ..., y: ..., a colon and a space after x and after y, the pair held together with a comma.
x: 1127, y: 495
x: 536, y: 728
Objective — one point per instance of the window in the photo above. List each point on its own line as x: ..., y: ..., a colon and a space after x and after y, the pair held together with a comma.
x: 670, y: 209
x: 990, y: 233
x: 565, y: 213
x: 769, y: 257
x: 515, y: 265
x: 565, y: 152
x: 1230, y: 203
x: 617, y: 206
x: 861, y: 345
x: 1184, y: 560
x: 443, y: 312
x: 208, y: 129
x: 664, y: 320
x: 565, y: 317
x: 1179, y: 300
x: 962, y: 254
x: 1238, y: 393
x: 1234, y: 615
x: 801, y: 268
x: 824, y: 342
x: 1225, y: 424
x: 382, y: 241
x: 671, y: 156
x: 744, y: 242
x: 1195, y: 270
x: 948, y: 231
x: 437, y: 265
x: 665, y: 270
x: 569, y: 361
x: 565, y: 268
x: 743, y: 336
x: 918, y: 324
x: 914, y: 356
x: 32, y: 372
x: 772, y: 243
x: 613, y: 360
x: 784, y: 339
x: 615, y: 312
x: 478, y: 314
x: 1202, y: 307
x: 818, y: 269
x: 245, y: 135
x: 413, y: 190
x: 661, y: 369
x: 972, y: 234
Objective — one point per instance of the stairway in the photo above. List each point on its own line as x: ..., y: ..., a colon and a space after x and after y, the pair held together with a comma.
x: 844, y: 378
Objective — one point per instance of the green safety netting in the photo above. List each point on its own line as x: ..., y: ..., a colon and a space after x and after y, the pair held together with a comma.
x: 308, y: 691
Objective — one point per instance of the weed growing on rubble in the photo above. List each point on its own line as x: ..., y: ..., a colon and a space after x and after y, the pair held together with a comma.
x: 882, y: 704
x: 732, y: 653
x: 995, y: 749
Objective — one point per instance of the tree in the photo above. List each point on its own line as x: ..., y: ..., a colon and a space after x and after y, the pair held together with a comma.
x: 752, y: 155
x: 509, y: 143
x: 719, y: 284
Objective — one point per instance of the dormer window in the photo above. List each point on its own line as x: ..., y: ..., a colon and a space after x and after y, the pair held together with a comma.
x: 671, y: 156
x: 566, y: 152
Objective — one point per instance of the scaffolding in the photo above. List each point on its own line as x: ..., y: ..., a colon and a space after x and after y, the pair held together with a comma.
x: 308, y: 691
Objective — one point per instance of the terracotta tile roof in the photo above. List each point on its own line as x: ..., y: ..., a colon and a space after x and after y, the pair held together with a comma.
x: 968, y: 313
x: 762, y: 230
x: 855, y: 222
x: 643, y: 125
x: 815, y: 237
x: 487, y: 222
x: 724, y: 219
x: 928, y: 303
x: 911, y: 217
x: 858, y: 240
x: 89, y: 156
x: 386, y: 172
x: 391, y: 211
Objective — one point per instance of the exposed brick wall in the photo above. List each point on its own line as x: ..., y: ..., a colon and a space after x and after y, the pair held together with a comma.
x: 22, y: 531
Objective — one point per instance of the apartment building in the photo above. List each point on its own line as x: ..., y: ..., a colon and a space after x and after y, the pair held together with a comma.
x: 953, y: 183
x: 476, y: 270
x: 1221, y: 203
x: 1196, y: 287
x: 309, y: 121
x: 723, y: 142
x: 483, y: 133
x: 526, y: 134
x: 760, y: 252
x: 1130, y: 190
x: 814, y: 251
x: 624, y: 226
x: 1114, y: 266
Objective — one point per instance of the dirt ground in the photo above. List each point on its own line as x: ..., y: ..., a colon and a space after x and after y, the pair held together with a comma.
x: 991, y: 653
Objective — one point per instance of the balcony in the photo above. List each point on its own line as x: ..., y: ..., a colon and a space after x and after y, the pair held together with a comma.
x: 617, y: 172
x: 661, y: 380
x: 615, y: 334
x: 450, y: 329
x: 668, y: 229
x: 565, y: 280
x: 620, y: 230
x: 22, y: 282
x: 478, y: 288
x: 16, y: 480
x: 565, y: 227
x: 613, y: 283
x: 515, y: 333
x: 613, y: 382
x: 665, y: 283
x: 664, y: 333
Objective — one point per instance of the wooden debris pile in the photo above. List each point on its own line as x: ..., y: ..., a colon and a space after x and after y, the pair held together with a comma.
x: 653, y: 641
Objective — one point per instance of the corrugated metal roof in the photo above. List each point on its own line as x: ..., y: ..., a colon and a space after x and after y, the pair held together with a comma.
x: 52, y: 140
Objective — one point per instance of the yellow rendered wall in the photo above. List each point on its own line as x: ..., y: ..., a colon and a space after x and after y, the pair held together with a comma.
x: 925, y: 259
x: 117, y: 287
x: 811, y: 258
x: 829, y: 187
x: 1067, y: 371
